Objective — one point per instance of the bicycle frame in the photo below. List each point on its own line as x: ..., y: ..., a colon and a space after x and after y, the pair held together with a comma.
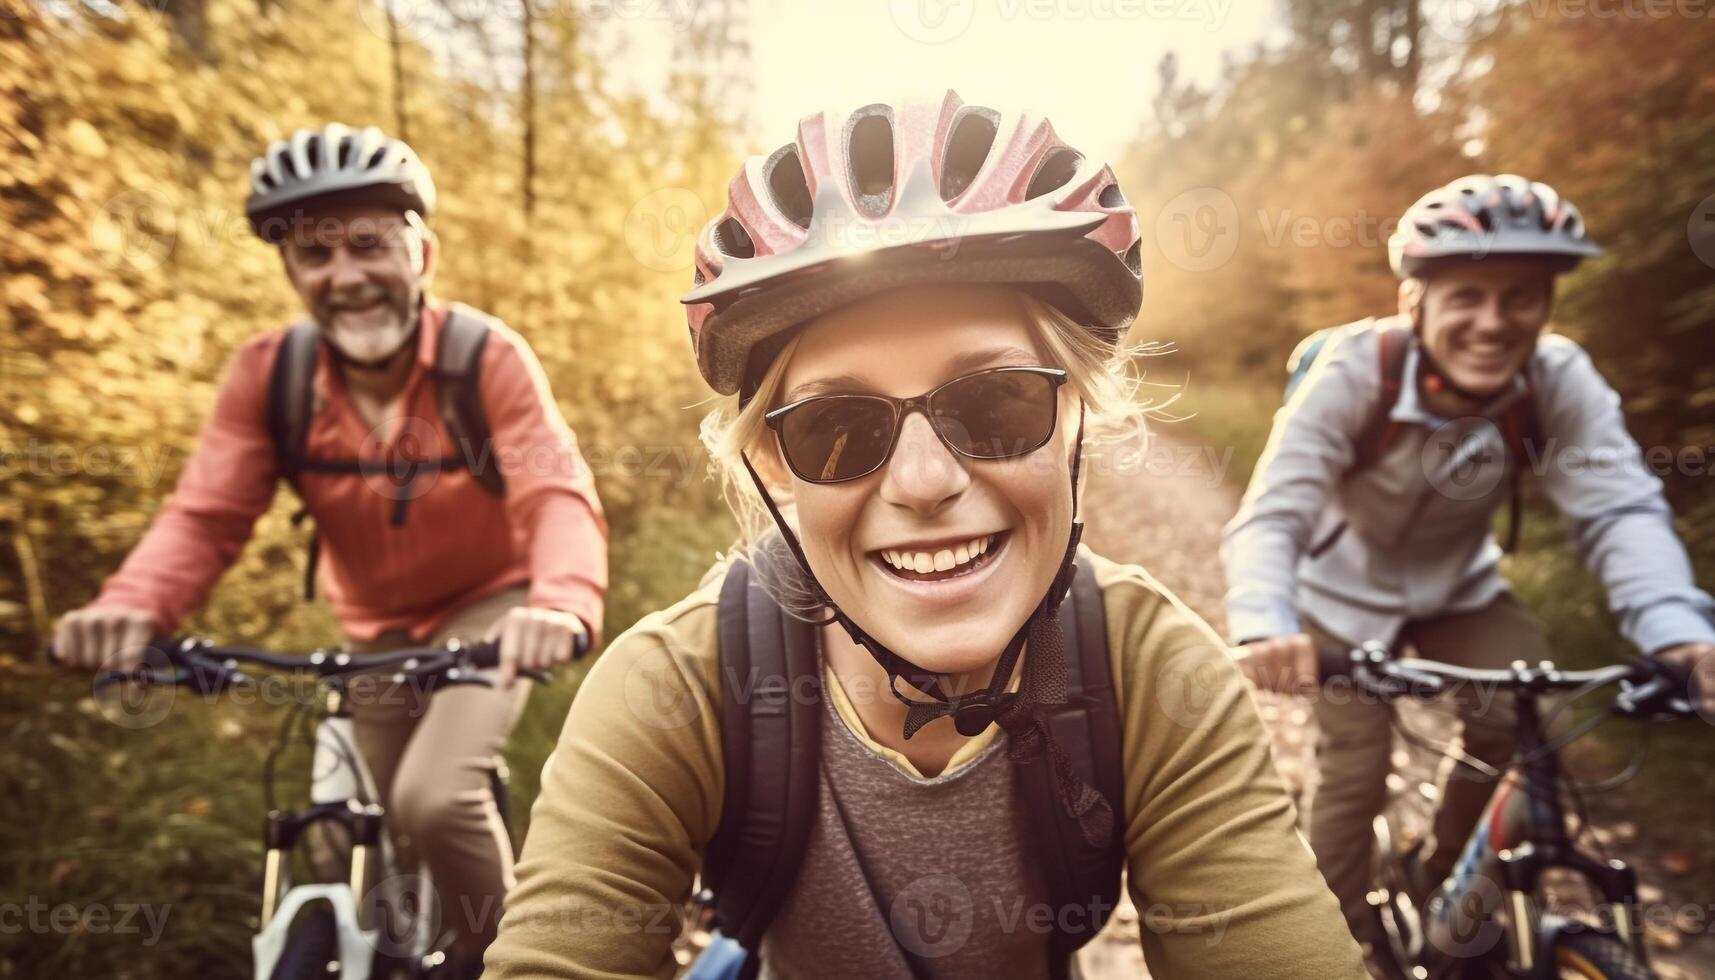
x: 343, y: 793
x: 1523, y: 830
x: 341, y: 785
x: 1531, y: 933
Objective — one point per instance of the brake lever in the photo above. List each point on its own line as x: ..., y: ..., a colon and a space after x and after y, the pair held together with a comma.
x: 1664, y: 695
x: 1418, y: 684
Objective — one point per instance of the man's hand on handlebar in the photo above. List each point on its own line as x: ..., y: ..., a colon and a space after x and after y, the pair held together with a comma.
x: 1285, y: 664
x: 1697, y: 659
x: 112, y: 638
x: 535, y: 639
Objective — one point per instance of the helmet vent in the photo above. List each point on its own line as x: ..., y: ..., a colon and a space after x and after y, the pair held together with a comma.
x: 784, y: 172
x: 345, y: 148
x: 869, y: 153
x: 968, y: 146
x: 1055, y: 170
x: 1134, y: 258
x: 731, y: 239
x: 1112, y: 197
x: 312, y: 153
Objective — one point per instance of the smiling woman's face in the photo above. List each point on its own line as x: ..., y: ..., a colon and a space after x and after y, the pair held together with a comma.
x: 1002, y: 524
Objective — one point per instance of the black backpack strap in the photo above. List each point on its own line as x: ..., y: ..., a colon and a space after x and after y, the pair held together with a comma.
x: 458, y: 373
x: 291, y: 391
x: 291, y: 387
x: 771, y: 737
x: 1079, y: 877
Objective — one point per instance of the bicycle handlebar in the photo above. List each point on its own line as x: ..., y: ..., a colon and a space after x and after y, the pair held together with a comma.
x: 210, y: 669
x: 1649, y: 687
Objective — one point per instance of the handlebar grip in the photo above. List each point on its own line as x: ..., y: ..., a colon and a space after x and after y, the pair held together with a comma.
x: 1333, y: 663
x: 486, y: 656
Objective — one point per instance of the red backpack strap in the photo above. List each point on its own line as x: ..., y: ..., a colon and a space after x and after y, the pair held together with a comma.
x: 1521, y: 433
x: 1394, y: 342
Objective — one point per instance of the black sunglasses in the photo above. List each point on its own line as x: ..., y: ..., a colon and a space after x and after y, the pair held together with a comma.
x: 994, y: 414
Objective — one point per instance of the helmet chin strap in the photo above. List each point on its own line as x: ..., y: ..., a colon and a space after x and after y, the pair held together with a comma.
x: 1030, y: 737
x: 1436, y: 378
x: 971, y: 713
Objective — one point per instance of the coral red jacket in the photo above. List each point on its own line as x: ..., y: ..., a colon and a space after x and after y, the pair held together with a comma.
x: 458, y: 542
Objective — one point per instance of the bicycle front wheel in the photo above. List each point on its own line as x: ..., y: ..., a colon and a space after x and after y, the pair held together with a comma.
x: 1592, y: 956
x: 312, y: 948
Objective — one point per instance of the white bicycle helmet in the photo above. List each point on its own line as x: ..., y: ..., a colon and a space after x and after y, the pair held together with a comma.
x: 335, y: 163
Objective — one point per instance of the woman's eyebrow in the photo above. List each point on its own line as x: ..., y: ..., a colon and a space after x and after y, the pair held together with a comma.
x: 839, y: 382
x: 983, y: 357
x: 961, y: 363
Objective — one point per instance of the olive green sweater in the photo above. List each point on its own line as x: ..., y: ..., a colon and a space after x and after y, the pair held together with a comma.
x: 1224, y: 883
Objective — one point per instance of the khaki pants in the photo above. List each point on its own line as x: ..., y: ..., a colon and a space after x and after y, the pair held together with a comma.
x: 432, y: 756
x: 1355, y: 746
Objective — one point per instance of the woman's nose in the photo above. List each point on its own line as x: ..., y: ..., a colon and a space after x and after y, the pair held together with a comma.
x: 923, y: 473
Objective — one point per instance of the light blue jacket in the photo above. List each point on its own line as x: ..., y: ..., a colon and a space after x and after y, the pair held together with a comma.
x: 1417, y: 542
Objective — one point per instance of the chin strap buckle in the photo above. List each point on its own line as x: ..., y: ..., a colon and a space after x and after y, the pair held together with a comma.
x: 974, y: 713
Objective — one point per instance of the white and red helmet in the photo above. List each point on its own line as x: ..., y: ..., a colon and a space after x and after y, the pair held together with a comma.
x: 893, y: 195
x: 1478, y: 216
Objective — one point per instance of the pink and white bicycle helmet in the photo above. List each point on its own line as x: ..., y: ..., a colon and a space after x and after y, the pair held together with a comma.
x: 893, y: 195
x: 1480, y: 215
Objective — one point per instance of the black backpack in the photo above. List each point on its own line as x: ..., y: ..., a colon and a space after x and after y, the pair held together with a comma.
x: 458, y: 360
x: 772, y: 744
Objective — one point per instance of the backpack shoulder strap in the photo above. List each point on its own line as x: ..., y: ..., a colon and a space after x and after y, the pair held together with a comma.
x: 1521, y: 431
x: 291, y: 387
x: 771, y: 738
x: 1079, y: 877
x: 1393, y: 344
x: 458, y: 375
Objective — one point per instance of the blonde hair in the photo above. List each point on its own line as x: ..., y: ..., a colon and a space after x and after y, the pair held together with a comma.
x: 1108, y: 378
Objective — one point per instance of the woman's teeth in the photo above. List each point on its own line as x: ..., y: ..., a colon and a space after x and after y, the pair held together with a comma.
x: 943, y: 560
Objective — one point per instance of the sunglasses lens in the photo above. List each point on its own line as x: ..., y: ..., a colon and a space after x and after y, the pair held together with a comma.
x: 997, y: 414
x: 841, y: 437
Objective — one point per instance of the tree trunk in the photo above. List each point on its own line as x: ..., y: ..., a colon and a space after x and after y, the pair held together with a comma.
x: 529, y: 114
x: 400, y: 121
